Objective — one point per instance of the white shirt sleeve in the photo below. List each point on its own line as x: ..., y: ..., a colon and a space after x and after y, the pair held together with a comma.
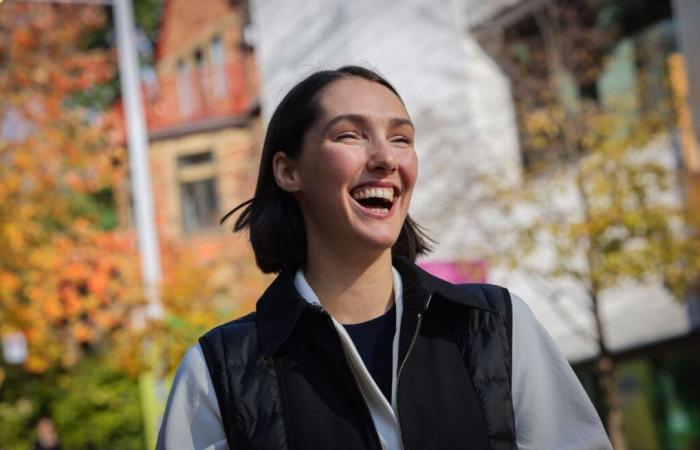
x: 192, y: 420
x: 552, y: 410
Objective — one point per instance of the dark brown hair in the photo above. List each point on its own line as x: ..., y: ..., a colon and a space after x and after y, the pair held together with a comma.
x: 272, y: 216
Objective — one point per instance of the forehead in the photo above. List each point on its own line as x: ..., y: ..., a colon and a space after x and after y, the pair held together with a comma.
x: 360, y: 96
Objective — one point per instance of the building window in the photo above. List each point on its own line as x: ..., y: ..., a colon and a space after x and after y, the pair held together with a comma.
x: 201, y: 79
x: 184, y: 89
x: 218, y: 68
x: 199, y: 203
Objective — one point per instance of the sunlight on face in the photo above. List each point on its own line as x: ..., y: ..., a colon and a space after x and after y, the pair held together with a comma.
x: 357, y: 168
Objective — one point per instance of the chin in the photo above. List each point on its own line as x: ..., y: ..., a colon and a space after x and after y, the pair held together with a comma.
x: 379, y: 242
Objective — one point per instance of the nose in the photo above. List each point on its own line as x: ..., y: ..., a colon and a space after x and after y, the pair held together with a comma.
x: 382, y: 157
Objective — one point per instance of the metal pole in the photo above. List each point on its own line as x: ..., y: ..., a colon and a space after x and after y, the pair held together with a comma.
x: 137, y: 142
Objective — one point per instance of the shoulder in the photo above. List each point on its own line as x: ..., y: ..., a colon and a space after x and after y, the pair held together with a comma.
x: 224, y: 333
x: 192, y: 418
x: 239, y: 325
x: 193, y: 361
x: 234, y: 341
x: 535, y: 353
x: 496, y: 296
x: 544, y: 382
x: 525, y: 324
x: 498, y: 299
x: 192, y: 374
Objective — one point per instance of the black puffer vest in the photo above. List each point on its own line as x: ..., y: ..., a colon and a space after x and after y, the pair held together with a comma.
x: 283, y: 382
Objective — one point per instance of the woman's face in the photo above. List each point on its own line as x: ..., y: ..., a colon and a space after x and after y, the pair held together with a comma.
x: 357, y: 167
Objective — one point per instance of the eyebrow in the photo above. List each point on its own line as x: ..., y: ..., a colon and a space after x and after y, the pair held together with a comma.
x: 360, y: 119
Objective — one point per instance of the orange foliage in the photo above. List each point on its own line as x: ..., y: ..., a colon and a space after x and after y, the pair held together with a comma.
x: 66, y: 284
x: 70, y: 287
x: 199, y: 294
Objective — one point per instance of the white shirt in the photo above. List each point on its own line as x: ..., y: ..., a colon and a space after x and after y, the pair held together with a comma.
x: 552, y: 411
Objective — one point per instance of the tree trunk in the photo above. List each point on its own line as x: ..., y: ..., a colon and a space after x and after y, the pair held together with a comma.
x: 607, y: 378
x: 607, y: 374
x: 608, y: 382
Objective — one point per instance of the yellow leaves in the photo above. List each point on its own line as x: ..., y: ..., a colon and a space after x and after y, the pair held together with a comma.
x: 63, y: 282
x: 74, y: 271
x: 72, y: 301
x: 82, y: 332
x: 105, y: 320
x: 36, y: 364
x: 76, y: 291
x: 624, y: 221
x: 9, y: 283
x: 543, y: 125
x: 11, y: 181
x: 198, y: 296
x: 12, y: 234
x: 52, y: 309
x: 98, y: 282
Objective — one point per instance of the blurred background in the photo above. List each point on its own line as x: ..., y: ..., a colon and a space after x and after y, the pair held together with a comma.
x: 559, y: 157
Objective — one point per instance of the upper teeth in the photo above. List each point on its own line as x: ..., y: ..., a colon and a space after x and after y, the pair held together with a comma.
x: 374, y: 192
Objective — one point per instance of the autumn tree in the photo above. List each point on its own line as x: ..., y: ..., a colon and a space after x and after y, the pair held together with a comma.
x: 600, y: 204
x: 65, y: 281
x: 68, y: 282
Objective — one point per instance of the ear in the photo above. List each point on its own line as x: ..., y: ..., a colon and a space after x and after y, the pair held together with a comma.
x: 285, y: 172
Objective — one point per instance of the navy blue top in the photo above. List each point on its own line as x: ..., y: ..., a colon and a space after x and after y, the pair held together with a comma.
x: 374, y: 342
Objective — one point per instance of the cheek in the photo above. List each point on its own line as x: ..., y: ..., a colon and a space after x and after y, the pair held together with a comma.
x: 408, y: 164
x: 335, y: 166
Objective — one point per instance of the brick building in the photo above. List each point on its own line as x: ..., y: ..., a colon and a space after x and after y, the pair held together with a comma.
x: 202, y: 113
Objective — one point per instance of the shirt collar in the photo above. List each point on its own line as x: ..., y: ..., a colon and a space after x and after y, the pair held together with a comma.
x: 307, y: 293
x: 281, y: 305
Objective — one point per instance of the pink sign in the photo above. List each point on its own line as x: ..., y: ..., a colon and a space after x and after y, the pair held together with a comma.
x: 457, y: 272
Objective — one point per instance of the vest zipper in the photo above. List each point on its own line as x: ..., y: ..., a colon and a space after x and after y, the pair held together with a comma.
x: 403, y: 363
x: 323, y: 311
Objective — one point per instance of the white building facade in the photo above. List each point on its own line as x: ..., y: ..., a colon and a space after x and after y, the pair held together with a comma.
x: 461, y: 103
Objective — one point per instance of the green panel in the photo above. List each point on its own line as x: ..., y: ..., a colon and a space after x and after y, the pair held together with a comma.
x: 617, y: 85
x: 568, y: 91
x: 679, y: 402
x: 635, y: 382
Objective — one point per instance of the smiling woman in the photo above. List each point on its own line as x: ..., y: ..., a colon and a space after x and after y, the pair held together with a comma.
x: 332, y: 121
x: 353, y: 346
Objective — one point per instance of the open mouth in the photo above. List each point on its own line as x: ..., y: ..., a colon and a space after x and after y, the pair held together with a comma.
x: 378, y: 200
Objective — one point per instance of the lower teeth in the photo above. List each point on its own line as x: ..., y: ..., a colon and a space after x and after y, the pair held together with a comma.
x: 379, y: 210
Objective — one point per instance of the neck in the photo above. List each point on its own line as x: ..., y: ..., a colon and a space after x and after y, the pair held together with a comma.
x: 352, y: 290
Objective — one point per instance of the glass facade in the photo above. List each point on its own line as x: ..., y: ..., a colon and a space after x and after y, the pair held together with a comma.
x: 660, y: 394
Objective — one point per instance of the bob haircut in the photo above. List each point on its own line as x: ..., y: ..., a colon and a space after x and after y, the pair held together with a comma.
x: 272, y: 216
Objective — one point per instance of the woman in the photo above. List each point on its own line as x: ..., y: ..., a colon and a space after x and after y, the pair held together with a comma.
x: 353, y: 346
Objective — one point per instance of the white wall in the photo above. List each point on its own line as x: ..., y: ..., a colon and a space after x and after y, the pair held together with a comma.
x: 454, y: 94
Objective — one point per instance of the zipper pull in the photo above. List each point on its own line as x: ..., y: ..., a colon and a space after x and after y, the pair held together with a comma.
x: 318, y: 308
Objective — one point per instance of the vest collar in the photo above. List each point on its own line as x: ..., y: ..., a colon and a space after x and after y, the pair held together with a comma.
x: 280, y: 306
x: 428, y: 285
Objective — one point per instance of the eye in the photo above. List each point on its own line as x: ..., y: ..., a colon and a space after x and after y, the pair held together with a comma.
x: 347, y: 136
x: 400, y: 139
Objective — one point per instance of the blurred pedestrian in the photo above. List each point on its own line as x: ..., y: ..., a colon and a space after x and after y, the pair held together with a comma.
x: 46, y: 436
x: 353, y: 346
